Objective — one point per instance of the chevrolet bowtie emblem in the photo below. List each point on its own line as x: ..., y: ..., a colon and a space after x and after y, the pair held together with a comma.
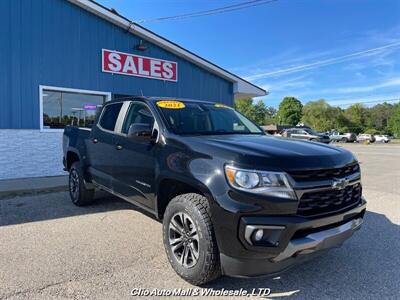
x: 340, y: 184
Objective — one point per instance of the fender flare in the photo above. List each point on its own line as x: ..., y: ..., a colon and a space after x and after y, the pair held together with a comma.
x: 192, y: 182
x: 72, y: 150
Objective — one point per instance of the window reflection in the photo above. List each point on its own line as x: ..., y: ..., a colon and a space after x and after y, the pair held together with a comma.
x: 66, y: 108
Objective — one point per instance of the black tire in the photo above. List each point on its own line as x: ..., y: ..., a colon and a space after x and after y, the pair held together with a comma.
x: 196, y: 209
x: 79, y: 194
x: 343, y: 140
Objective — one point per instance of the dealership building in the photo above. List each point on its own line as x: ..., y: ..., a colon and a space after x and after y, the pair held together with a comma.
x: 62, y: 59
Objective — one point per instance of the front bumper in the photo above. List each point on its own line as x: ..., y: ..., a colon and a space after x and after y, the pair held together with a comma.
x: 320, y: 240
x: 300, y: 240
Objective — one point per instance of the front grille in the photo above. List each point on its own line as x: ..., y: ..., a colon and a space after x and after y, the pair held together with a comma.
x: 329, y: 201
x: 316, y: 175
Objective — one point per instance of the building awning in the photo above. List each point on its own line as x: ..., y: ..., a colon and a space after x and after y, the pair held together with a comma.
x: 241, y: 87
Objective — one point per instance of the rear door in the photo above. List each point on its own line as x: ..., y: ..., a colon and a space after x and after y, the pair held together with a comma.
x: 134, y: 167
x: 101, y: 145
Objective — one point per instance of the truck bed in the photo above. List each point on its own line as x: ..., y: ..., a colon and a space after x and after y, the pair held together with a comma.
x: 76, y: 138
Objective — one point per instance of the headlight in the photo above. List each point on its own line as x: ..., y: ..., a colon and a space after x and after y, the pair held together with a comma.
x: 260, y: 182
x: 247, y: 180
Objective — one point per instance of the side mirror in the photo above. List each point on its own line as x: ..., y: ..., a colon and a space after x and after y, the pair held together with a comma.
x: 140, y: 132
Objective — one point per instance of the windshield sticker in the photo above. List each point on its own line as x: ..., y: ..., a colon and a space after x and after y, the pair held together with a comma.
x: 171, y: 104
x: 222, y: 106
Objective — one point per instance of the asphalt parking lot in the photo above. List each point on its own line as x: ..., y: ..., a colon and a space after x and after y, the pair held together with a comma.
x: 52, y: 249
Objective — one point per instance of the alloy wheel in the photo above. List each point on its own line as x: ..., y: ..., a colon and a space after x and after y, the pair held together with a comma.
x: 74, y: 183
x: 183, y: 239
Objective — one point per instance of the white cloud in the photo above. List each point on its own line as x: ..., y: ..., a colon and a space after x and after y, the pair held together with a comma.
x: 382, y: 59
x: 368, y: 100
x: 291, y: 83
x: 361, y: 89
x: 290, y: 56
x: 324, y: 62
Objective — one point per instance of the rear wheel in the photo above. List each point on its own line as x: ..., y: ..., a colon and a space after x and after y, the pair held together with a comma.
x: 343, y: 140
x: 189, y: 239
x: 79, y: 194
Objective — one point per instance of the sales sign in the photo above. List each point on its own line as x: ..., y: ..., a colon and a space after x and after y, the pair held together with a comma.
x: 141, y: 66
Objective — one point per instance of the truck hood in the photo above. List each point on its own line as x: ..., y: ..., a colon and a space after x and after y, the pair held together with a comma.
x: 275, y: 153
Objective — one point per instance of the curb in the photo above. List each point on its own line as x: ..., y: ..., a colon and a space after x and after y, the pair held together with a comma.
x: 21, y: 193
x: 32, y: 186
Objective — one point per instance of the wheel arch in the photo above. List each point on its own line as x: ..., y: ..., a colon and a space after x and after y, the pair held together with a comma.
x: 168, y: 188
x: 70, y: 157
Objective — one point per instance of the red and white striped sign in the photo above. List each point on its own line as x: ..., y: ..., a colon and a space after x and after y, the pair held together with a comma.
x: 141, y: 66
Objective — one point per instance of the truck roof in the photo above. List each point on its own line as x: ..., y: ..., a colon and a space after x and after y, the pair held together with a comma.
x: 154, y: 99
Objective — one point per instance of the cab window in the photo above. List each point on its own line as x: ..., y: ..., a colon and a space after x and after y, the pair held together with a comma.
x: 109, y: 116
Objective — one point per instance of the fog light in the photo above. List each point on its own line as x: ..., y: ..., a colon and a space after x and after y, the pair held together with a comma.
x: 259, y: 235
x: 263, y: 235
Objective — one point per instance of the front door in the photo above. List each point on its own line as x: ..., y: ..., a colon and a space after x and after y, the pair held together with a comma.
x: 134, y: 170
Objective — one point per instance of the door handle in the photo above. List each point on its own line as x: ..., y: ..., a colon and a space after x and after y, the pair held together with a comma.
x: 95, y: 141
x: 118, y: 147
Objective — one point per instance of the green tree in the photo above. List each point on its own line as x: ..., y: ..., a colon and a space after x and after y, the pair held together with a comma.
x: 323, y: 117
x: 258, y: 113
x: 290, y: 111
x: 378, y: 117
x: 394, y: 121
x: 372, y: 131
x: 245, y: 106
x: 357, y: 116
x: 270, y: 115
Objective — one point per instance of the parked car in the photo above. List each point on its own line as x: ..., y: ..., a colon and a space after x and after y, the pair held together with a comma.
x: 343, y: 137
x: 233, y: 200
x: 382, y: 138
x: 366, y: 137
x: 306, y: 134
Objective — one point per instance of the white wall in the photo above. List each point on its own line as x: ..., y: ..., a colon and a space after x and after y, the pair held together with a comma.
x: 30, y: 153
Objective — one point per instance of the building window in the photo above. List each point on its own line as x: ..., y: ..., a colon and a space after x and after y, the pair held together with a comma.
x: 62, y: 107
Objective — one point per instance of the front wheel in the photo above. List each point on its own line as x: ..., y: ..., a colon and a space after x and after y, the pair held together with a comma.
x: 189, y: 239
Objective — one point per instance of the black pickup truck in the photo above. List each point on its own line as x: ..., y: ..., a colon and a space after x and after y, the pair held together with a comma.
x: 233, y: 200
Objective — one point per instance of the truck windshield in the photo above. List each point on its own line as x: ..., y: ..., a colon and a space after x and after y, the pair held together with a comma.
x: 207, y: 119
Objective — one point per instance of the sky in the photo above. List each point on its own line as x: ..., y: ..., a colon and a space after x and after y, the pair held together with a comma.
x: 343, y: 51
